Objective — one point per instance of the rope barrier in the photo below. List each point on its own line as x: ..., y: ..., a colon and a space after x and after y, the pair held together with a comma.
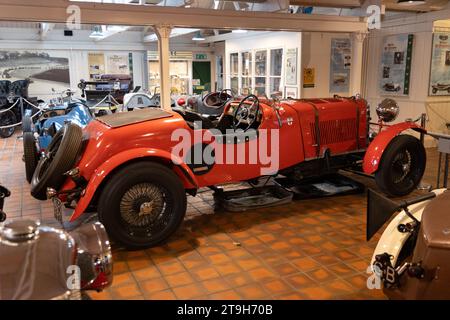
x: 19, y: 123
x: 15, y: 103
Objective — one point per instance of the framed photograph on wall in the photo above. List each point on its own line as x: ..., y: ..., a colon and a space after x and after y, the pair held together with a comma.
x: 291, y: 92
x: 396, y: 64
x: 291, y: 67
x: 340, y: 65
x: 440, y: 66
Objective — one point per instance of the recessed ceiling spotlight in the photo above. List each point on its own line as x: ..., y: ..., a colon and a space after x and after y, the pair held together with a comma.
x: 411, y: 2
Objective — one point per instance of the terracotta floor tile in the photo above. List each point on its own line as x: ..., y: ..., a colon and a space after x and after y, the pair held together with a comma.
x: 146, y: 273
x: 216, y: 285
x: 239, y: 279
x: 326, y: 259
x: 252, y: 291
x: 248, y: 264
x: 225, y: 295
x: 126, y: 291
x: 316, y: 293
x: 161, y: 295
x: 277, y: 286
x: 227, y: 268
x: 321, y: 275
x: 298, y: 281
x: 179, y: 279
x: 284, y: 269
x: 171, y: 268
x: 153, y: 285
x: 190, y: 291
x: 305, y: 264
x: 341, y: 269
x: 122, y: 278
x: 204, y: 273
x: 219, y: 258
x: 262, y: 274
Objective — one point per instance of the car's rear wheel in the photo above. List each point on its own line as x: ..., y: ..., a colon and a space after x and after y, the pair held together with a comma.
x: 7, y: 119
x: 402, y: 166
x: 60, y: 156
x: 142, y: 205
x: 30, y: 153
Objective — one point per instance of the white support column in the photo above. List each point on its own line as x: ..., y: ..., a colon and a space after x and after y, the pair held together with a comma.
x: 357, y: 39
x: 163, y: 33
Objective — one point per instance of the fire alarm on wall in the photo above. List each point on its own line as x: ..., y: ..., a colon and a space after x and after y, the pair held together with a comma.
x: 68, y: 33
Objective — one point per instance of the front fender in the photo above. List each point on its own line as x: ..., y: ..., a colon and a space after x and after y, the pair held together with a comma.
x: 379, y: 144
x: 392, y: 240
x: 182, y: 171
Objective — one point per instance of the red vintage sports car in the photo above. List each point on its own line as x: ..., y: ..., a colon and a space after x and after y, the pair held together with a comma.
x: 134, y: 170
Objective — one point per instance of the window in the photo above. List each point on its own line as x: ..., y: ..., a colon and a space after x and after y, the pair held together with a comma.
x: 276, y: 65
x: 234, y: 72
x: 257, y: 71
x: 246, y: 72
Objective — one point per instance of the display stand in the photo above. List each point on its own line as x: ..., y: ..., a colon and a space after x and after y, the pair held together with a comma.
x: 444, y: 152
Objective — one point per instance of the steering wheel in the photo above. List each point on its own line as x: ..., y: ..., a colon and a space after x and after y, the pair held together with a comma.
x: 246, y: 112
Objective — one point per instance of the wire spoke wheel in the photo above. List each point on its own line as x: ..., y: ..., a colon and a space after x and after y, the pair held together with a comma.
x: 401, y: 166
x: 142, y: 204
x: 7, y: 118
x: 145, y: 209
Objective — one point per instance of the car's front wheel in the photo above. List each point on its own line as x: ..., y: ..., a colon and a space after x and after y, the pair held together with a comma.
x: 142, y: 205
x: 402, y: 166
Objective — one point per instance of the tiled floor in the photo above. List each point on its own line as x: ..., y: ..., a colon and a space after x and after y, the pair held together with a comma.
x: 312, y: 249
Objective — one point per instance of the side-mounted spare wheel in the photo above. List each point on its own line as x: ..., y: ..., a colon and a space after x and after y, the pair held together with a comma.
x: 27, y: 124
x: 30, y: 153
x: 61, y: 155
x: 402, y: 166
x: 142, y: 205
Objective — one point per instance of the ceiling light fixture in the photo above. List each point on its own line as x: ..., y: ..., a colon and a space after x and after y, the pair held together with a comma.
x: 239, y: 31
x: 198, y: 37
x: 411, y: 2
x: 96, y: 33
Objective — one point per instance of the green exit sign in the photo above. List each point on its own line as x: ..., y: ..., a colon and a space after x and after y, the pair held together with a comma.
x: 201, y: 56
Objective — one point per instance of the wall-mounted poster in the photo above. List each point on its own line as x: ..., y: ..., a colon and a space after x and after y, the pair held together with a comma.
x: 96, y: 64
x: 118, y: 64
x: 46, y: 69
x: 440, y: 65
x: 291, y: 67
x: 341, y: 62
x: 396, y: 64
x: 291, y: 92
x: 309, y: 77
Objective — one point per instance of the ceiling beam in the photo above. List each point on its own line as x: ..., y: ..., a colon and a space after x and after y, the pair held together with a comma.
x: 136, y: 15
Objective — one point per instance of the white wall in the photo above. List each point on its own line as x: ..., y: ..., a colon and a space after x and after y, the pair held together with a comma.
x: 316, y: 53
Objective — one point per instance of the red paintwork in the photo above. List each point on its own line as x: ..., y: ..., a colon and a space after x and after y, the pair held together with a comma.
x: 109, y: 148
x: 376, y: 148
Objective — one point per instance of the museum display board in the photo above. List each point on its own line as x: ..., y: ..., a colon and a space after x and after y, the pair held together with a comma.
x: 440, y: 65
x: 396, y: 64
x: 341, y: 56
